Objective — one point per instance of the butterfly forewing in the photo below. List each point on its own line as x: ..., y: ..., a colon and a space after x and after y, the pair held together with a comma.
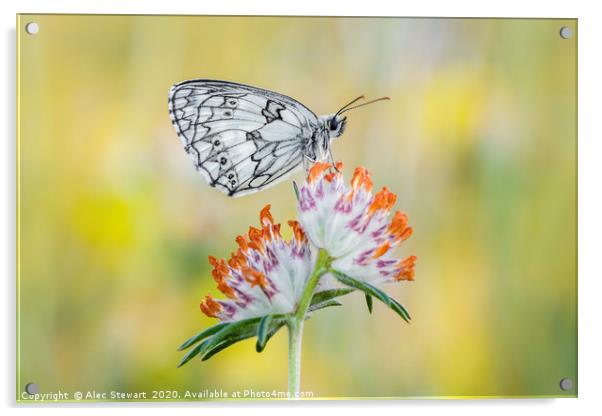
x: 242, y: 138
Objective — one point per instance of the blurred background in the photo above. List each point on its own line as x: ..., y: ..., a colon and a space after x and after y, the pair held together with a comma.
x: 479, y: 143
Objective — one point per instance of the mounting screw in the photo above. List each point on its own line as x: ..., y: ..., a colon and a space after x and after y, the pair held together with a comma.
x: 566, y: 384
x: 566, y: 32
x: 32, y: 388
x: 32, y: 28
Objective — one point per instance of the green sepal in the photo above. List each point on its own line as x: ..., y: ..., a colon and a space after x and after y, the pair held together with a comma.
x: 369, y: 302
x: 368, y: 289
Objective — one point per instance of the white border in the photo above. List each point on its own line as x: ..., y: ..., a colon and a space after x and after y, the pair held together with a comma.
x: 590, y: 203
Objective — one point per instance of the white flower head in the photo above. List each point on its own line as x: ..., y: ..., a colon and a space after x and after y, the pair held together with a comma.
x: 353, y: 225
x: 266, y: 275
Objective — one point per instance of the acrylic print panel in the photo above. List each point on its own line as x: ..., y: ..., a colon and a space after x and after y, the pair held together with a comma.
x: 467, y: 259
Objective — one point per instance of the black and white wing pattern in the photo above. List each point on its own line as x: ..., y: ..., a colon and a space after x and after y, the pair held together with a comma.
x: 242, y: 139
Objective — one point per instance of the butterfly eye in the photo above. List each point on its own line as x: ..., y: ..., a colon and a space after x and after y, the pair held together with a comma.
x: 333, y: 125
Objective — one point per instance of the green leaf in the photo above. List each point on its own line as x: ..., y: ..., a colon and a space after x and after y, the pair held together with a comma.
x: 201, y: 335
x: 398, y: 307
x: 225, y: 344
x: 225, y: 334
x: 328, y: 294
x: 210, y: 352
x: 245, y: 328
x: 368, y: 289
x: 192, y: 353
x: 219, y: 347
x: 325, y: 304
x: 369, y: 302
x: 227, y: 330
x: 262, y: 332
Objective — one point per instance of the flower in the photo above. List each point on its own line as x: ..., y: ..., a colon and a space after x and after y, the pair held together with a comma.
x: 344, y: 233
x: 353, y: 225
x: 266, y: 275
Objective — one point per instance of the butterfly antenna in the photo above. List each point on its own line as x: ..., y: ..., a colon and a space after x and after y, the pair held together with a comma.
x: 363, y: 104
x: 349, y: 103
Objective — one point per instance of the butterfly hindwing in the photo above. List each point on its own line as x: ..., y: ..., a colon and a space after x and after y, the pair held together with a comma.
x: 242, y: 139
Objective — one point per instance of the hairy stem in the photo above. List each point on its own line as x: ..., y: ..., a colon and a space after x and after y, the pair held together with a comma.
x: 295, y: 335
x: 295, y: 324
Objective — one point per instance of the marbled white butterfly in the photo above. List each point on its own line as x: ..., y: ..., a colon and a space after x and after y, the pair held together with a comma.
x: 244, y: 139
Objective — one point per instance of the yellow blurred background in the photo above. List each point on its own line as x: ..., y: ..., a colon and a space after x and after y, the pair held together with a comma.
x: 115, y: 225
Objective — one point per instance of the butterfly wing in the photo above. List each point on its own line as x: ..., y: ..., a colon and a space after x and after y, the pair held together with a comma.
x: 242, y: 139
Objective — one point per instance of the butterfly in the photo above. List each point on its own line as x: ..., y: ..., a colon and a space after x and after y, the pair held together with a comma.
x: 244, y: 139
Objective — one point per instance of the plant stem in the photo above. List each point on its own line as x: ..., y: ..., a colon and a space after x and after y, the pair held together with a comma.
x: 295, y: 335
x: 295, y: 324
x: 320, y: 268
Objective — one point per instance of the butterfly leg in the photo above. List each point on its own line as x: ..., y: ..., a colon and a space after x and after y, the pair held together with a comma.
x: 308, y: 162
x: 332, y: 162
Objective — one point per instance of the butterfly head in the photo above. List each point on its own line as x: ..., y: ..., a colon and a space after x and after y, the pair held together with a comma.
x: 336, y: 125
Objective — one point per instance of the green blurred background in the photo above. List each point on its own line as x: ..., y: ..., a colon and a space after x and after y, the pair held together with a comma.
x: 478, y: 141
